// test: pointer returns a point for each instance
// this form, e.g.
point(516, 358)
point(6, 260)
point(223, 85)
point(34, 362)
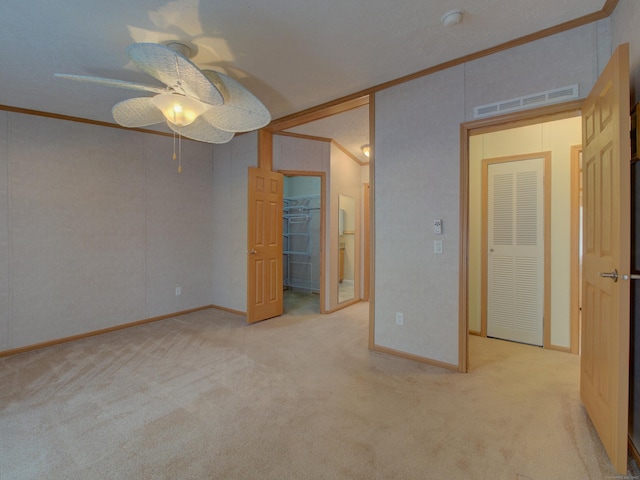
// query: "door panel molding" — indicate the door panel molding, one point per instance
point(264, 245)
point(604, 360)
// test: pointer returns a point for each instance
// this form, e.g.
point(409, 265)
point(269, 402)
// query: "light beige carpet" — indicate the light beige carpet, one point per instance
point(204, 396)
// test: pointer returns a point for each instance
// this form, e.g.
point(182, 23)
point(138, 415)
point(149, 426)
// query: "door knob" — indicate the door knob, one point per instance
point(253, 251)
point(613, 275)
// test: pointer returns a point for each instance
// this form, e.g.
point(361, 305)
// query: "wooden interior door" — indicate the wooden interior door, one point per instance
point(264, 247)
point(604, 362)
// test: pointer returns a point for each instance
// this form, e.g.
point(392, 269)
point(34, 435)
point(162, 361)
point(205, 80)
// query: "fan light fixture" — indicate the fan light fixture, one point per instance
point(179, 109)
point(366, 149)
point(203, 105)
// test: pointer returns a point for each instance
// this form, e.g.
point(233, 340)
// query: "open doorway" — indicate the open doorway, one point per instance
point(302, 232)
point(331, 144)
point(557, 134)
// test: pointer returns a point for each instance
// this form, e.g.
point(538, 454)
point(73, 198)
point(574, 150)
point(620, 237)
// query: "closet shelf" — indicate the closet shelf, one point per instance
point(296, 281)
point(299, 209)
point(301, 199)
point(298, 214)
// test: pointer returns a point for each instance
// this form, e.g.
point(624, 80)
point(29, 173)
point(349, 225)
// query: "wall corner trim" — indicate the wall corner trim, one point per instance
point(58, 341)
point(415, 358)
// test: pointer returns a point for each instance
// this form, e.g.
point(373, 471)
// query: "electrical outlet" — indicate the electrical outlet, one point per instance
point(399, 318)
point(178, 291)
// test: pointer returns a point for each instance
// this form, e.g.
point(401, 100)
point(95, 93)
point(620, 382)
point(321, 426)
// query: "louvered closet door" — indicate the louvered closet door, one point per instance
point(515, 260)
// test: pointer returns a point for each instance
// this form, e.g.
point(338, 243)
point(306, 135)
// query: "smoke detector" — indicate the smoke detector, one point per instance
point(452, 17)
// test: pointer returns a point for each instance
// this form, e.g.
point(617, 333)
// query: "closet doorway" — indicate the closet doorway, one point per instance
point(330, 143)
point(303, 221)
point(557, 134)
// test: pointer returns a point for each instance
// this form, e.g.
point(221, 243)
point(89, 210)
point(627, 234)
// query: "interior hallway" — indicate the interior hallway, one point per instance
point(300, 396)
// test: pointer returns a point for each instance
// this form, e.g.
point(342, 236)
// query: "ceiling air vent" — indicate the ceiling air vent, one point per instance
point(535, 100)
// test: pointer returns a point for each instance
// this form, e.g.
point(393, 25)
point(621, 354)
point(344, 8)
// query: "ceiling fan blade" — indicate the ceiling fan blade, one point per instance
point(202, 131)
point(137, 112)
point(175, 71)
point(112, 82)
point(241, 111)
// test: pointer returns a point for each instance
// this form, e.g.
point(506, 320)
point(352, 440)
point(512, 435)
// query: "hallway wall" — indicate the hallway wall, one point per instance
point(230, 171)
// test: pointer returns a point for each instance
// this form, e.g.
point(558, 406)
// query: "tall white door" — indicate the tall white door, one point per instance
point(515, 257)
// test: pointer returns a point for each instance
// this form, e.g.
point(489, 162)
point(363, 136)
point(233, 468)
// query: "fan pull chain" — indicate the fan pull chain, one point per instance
point(174, 145)
point(179, 145)
point(179, 153)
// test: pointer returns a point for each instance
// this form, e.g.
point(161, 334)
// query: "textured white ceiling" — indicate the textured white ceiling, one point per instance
point(292, 54)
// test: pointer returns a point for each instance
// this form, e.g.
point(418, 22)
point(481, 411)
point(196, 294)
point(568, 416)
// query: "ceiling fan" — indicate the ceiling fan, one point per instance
point(203, 105)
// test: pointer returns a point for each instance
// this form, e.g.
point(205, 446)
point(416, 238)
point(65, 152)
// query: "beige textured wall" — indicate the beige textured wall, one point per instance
point(231, 162)
point(556, 137)
point(98, 228)
point(417, 178)
point(292, 153)
point(564, 59)
point(5, 314)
